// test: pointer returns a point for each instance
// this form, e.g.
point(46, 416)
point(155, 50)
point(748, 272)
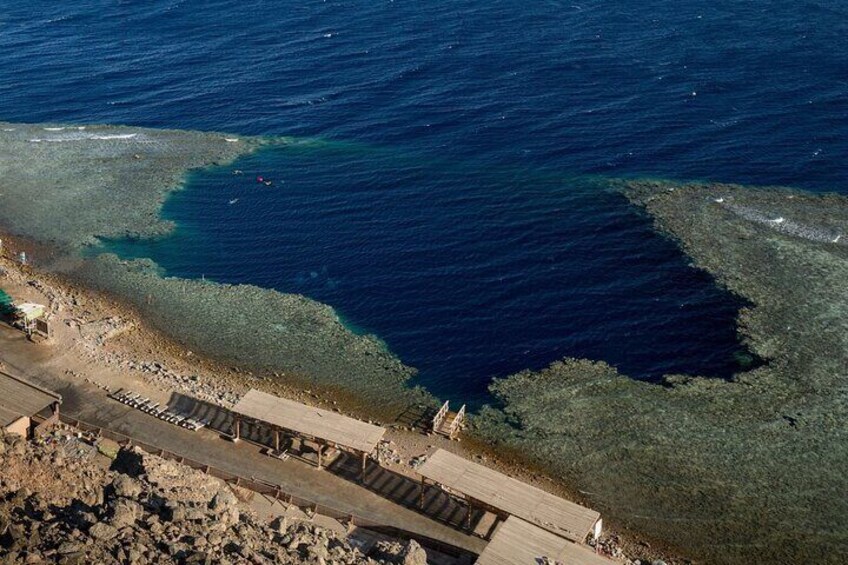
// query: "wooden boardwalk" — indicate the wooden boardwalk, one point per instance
point(486, 487)
point(520, 543)
point(21, 398)
point(309, 421)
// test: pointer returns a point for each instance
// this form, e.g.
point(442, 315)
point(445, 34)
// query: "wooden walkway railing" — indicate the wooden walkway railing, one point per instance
point(440, 416)
point(457, 422)
point(446, 422)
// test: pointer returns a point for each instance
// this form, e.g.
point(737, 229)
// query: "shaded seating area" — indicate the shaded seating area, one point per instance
point(22, 403)
point(517, 542)
point(301, 423)
point(485, 488)
point(165, 413)
point(404, 491)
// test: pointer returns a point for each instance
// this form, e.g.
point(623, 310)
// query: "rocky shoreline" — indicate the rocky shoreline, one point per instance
point(103, 342)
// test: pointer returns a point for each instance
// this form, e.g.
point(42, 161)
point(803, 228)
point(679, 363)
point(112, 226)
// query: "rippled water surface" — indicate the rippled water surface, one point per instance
point(449, 196)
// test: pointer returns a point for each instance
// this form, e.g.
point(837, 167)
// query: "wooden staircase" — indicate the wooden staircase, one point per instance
point(448, 423)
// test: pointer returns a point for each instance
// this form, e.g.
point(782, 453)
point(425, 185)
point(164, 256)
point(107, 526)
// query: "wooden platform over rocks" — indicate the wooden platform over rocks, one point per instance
point(487, 488)
point(517, 542)
point(324, 427)
point(20, 398)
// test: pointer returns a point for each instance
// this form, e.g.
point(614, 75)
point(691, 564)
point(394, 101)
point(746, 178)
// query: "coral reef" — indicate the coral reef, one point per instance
point(261, 329)
point(744, 470)
point(70, 186)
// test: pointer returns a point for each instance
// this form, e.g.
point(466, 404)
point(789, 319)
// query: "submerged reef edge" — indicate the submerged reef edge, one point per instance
point(743, 470)
point(71, 186)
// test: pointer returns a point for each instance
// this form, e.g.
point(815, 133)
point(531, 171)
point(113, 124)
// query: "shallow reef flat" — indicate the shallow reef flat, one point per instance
point(746, 470)
point(71, 186)
point(264, 330)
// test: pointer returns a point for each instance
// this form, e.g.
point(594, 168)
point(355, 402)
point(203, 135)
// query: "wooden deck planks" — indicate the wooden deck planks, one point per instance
point(517, 542)
point(513, 497)
point(329, 426)
point(21, 398)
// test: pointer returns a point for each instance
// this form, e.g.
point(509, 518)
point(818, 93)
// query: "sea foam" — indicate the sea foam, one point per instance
point(78, 136)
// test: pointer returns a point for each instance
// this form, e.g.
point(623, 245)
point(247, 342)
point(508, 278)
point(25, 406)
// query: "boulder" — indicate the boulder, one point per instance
point(223, 500)
point(224, 506)
point(125, 513)
point(69, 547)
point(126, 487)
point(102, 531)
point(18, 446)
point(409, 553)
point(174, 511)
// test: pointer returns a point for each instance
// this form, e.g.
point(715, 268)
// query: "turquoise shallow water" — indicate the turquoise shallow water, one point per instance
point(452, 205)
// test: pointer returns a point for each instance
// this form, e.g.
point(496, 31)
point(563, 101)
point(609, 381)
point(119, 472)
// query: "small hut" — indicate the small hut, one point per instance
point(27, 315)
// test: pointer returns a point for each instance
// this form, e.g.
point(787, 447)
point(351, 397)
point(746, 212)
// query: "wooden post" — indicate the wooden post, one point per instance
point(320, 450)
point(236, 429)
point(468, 515)
point(277, 440)
point(364, 462)
point(421, 493)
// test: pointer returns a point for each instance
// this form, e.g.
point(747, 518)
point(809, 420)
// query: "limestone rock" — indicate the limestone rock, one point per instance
point(126, 487)
point(102, 531)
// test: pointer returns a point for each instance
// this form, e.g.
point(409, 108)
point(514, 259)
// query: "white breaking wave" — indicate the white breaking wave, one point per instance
point(783, 225)
point(78, 136)
point(116, 136)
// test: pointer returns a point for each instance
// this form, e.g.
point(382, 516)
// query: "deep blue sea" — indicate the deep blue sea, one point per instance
point(446, 190)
